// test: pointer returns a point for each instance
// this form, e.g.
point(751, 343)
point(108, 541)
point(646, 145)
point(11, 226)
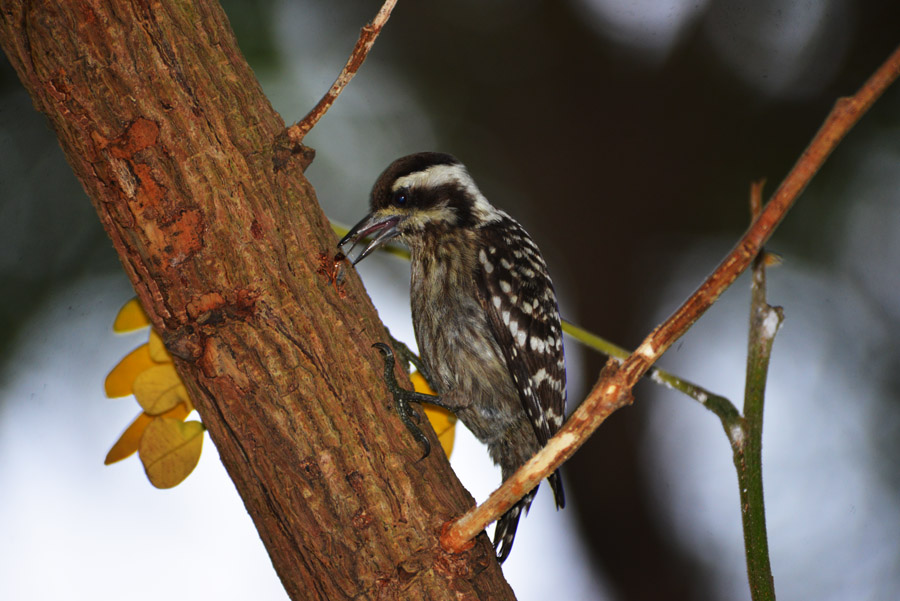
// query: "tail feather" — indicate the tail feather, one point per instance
point(505, 533)
point(556, 484)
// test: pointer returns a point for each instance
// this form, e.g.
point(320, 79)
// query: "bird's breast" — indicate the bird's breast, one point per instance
point(451, 327)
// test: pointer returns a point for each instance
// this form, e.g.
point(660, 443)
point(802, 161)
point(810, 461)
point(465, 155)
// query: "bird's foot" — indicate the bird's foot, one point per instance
point(403, 398)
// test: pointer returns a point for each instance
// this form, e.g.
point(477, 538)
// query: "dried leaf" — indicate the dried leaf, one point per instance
point(170, 450)
point(158, 389)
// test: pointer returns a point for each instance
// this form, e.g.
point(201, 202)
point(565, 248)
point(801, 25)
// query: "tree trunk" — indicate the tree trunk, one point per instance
point(187, 166)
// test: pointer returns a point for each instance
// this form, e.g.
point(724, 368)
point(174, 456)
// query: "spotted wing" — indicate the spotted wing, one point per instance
point(524, 317)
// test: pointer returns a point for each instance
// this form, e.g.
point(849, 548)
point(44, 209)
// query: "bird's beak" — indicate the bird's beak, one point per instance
point(379, 227)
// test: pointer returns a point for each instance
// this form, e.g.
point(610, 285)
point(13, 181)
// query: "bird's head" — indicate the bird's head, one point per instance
point(419, 194)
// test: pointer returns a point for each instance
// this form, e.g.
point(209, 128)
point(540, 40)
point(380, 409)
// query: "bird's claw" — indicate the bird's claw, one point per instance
point(402, 399)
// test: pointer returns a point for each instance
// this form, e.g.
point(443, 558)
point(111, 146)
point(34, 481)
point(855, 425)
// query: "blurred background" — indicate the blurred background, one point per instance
point(624, 135)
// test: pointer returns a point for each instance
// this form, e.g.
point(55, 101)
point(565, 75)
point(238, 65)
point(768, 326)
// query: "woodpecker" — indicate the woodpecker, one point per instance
point(484, 312)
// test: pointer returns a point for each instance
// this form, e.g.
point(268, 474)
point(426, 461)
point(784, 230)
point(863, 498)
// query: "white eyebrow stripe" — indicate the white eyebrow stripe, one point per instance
point(434, 176)
point(441, 175)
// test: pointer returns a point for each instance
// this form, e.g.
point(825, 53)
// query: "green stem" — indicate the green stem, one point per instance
point(719, 405)
point(764, 323)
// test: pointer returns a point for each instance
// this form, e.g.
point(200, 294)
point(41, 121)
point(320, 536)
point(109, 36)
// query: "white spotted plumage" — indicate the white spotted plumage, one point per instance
point(484, 311)
point(523, 301)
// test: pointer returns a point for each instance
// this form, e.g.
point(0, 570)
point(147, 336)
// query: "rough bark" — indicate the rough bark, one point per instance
point(205, 201)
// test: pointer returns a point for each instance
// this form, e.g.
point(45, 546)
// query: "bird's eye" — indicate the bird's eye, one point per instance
point(400, 198)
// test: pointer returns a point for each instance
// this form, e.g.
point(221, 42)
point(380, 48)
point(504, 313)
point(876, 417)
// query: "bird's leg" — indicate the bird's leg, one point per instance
point(410, 357)
point(403, 397)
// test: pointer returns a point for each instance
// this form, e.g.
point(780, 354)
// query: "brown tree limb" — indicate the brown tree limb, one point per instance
point(613, 389)
point(367, 36)
point(167, 129)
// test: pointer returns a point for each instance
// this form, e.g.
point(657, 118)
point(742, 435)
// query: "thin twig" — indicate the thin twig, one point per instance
point(367, 36)
point(613, 388)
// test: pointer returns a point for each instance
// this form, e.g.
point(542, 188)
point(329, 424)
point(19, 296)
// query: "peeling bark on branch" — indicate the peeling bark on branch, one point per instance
point(189, 170)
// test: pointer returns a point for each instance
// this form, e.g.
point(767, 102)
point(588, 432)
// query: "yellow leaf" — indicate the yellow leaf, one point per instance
point(444, 424)
point(131, 317)
point(773, 259)
point(128, 442)
point(170, 450)
point(158, 389)
point(443, 421)
point(419, 383)
point(120, 380)
point(158, 350)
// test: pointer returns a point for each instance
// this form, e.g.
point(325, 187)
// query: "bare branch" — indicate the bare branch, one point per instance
point(718, 404)
point(367, 37)
point(613, 388)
